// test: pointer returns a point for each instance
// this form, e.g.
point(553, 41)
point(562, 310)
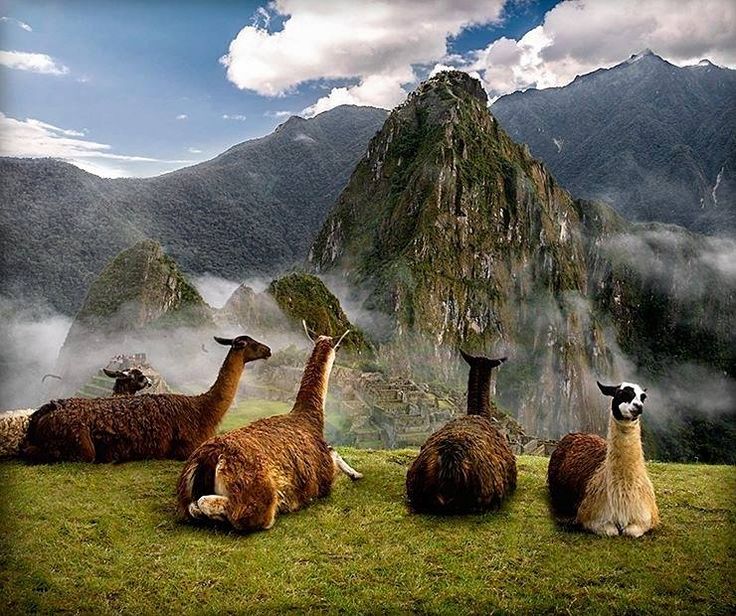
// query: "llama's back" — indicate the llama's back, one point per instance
point(120, 428)
point(465, 466)
point(571, 467)
point(277, 452)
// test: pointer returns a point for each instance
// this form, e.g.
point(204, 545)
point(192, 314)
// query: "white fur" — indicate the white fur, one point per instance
point(619, 498)
point(343, 466)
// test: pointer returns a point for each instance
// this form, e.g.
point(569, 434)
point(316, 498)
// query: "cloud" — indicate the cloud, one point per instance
point(32, 138)
point(33, 62)
point(578, 36)
point(194, 150)
point(235, 116)
point(373, 44)
point(21, 24)
point(277, 114)
point(182, 116)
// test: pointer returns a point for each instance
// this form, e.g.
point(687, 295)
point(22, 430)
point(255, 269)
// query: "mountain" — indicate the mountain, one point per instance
point(252, 210)
point(655, 140)
point(463, 239)
point(466, 240)
point(139, 298)
point(280, 309)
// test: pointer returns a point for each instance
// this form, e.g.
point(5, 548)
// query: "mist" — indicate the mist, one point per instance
point(30, 339)
point(214, 289)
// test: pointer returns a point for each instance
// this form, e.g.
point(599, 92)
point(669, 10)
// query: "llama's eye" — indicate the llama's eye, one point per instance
point(643, 397)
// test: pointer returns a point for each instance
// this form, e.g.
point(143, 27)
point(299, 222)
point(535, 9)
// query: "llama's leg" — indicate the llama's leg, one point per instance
point(605, 529)
point(344, 466)
point(86, 450)
point(634, 530)
point(211, 506)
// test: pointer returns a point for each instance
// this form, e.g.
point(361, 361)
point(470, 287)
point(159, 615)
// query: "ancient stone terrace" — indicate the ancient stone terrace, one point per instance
point(370, 410)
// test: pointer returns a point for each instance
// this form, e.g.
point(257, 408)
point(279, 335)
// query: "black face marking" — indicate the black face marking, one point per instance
point(631, 398)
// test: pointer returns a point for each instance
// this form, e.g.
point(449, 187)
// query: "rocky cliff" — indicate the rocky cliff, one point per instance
point(465, 239)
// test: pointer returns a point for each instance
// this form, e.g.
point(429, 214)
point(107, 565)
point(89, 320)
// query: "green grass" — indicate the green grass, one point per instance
point(100, 539)
point(249, 410)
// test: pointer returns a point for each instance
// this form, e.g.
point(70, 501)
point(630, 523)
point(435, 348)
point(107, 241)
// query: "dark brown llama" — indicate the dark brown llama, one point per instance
point(150, 426)
point(467, 465)
point(274, 465)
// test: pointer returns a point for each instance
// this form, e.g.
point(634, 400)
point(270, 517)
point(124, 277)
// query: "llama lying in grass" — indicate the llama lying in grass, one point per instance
point(14, 424)
point(467, 465)
point(604, 487)
point(150, 426)
point(274, 465)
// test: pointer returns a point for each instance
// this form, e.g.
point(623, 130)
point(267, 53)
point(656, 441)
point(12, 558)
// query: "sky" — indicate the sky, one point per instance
point(139, 88)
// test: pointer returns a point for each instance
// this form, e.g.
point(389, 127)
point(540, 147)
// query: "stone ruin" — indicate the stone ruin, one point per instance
point(371, 410)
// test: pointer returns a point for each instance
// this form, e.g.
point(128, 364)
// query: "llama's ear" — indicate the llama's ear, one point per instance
point(306, 331)
point(468, 358)
point(497, 362)
point(223, 341)
point(337, 344)
point(607, 390)
point(113, 374)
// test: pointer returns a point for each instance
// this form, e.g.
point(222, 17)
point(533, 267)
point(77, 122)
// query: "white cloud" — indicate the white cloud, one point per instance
point(194, 150)
point(33, 62)
point(182, 116)
point(235, 116)
point(21, 24)
point(277, 114)
point(578, 36)
point(374, 44)
point(32, 138)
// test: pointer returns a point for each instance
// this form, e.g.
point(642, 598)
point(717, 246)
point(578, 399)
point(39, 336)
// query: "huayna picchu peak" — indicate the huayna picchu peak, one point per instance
point(461, 236)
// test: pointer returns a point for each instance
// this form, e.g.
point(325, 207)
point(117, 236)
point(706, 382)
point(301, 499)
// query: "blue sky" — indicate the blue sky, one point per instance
point(144, 79)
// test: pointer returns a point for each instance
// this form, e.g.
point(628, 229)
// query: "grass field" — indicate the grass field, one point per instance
point(100, 539)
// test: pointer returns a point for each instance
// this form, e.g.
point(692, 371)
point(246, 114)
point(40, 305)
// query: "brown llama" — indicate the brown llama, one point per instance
point(603, 486)
point(274, 465)
point(149, 426)
point(467, 465)
point(14, 424)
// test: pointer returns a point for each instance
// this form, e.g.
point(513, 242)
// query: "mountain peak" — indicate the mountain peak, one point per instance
point(644, 54)
point(457, 83)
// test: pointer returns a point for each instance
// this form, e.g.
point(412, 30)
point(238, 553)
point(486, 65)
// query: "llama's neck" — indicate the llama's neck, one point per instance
point(220, 396)
point(479, 391)
point(119, 390)
point(310, 401)
point(624, 454)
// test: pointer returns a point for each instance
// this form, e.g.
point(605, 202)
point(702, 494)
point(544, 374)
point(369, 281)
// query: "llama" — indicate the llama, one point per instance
point(127, 382)
point(14, 424)
point(274, 465)
point(467, 465)
point(148, 426)
point(603, 486)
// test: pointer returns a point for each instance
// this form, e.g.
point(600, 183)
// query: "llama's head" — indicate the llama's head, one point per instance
point(251, 349)
point(128, 381)
point(326, 342)
point(481, 361)
point(628, 400)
